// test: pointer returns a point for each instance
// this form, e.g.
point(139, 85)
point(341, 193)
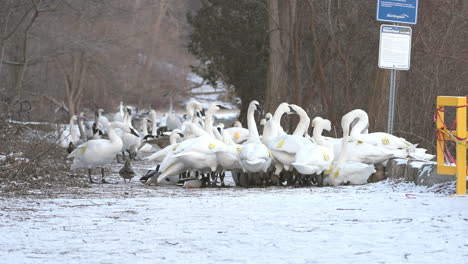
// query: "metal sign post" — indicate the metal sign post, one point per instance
point(395, 42)
point(394, 54)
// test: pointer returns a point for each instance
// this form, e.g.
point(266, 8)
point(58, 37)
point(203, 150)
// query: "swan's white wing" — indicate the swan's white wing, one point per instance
point(385, 140)
point(288, 143)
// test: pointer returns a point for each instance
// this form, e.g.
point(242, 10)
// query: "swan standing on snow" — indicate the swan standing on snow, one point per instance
point(254, 155)
point(342, 171)
point(99, 152)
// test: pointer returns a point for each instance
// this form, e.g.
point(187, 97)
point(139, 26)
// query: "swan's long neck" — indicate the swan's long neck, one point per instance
point(171, 106)
point(251, 125)
point(153, 123)
point(363, 122)
point(174, 136)
point(269, 130)
point(127, 119)
point(217, 135)
point(317, 134)
point(209, 120)
point(81, 128)
point(279, 112)
point(303, 124)
point(145, 127)
point(190, 112)
point(344, 145)
point(72, 129)
point(121, 109)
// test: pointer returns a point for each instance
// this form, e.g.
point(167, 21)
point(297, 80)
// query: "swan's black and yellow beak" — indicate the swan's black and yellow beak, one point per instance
point(222, 107)
point(292, 111)
point(180, 134)
point(134, 132)
point(259, 108)
point(149, 137)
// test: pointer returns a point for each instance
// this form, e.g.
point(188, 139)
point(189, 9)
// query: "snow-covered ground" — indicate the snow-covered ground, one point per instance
point(116, 223)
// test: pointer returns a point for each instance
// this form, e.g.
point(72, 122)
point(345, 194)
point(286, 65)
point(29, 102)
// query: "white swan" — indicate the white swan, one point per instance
point(71, 134)
point(131, 142)
point(343, 171)
point(284, 147)
point(380, 139)
point(195, 153)
point(146, 147)
point(254, 155)
point(315, 158)
point(99, 152)
point(103, 122)
point(154, 125)
point(228, 154)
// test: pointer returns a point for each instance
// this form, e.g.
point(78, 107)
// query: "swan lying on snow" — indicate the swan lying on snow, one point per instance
point(99, 152)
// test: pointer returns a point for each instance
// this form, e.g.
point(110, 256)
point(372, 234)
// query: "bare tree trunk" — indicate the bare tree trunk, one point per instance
point(19, 82)
point(279, 20)
point(378, 101)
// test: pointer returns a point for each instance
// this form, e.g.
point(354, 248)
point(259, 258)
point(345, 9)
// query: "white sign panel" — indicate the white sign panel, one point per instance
point(395, 47)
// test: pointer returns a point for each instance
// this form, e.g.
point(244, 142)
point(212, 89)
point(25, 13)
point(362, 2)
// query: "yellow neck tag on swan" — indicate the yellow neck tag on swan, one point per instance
point(325, 155)
point(271, 155)
point(280, 143)
point(337, 172)
point(83, 149)
point(175, 146)
point(236, 135)
point(238, 149)
point(385, 141)
point(211, 146)
point(327, 172)
point(360, 142)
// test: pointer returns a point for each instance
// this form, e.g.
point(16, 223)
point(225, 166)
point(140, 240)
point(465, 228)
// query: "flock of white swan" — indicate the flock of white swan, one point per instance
point(199, 150)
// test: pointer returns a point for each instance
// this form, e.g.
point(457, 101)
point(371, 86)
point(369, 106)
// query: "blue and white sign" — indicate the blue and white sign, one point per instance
point(397, 11)
point(395, 47)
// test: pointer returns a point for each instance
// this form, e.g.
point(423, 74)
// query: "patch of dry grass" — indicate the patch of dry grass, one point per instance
point(32, 159)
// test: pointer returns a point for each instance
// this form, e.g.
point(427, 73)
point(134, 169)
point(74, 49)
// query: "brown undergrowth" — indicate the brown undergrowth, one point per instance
point(30, 158)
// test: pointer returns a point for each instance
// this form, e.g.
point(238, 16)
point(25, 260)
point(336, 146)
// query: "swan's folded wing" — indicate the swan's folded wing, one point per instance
point(288, 143)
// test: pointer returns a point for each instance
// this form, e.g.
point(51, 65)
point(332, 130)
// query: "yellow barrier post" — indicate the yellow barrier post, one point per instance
point(461, 148)
point(460, 170)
